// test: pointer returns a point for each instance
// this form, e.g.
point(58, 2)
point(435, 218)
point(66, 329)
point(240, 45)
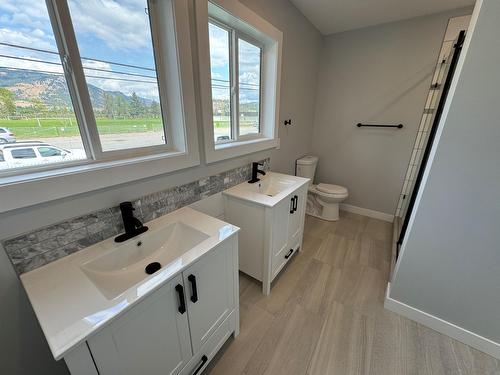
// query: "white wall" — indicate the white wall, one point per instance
point(302, 45)
point(23, 349)
point(379, 74)
point(449, 265)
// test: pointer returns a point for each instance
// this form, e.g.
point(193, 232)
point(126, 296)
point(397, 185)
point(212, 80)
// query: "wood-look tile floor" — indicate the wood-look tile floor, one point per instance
point(325, 315)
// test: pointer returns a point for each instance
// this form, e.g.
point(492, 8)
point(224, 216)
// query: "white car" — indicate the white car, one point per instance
point(6, 136)
point(34, 153)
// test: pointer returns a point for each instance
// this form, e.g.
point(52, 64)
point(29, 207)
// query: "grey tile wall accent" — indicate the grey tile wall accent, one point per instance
point(45, 245)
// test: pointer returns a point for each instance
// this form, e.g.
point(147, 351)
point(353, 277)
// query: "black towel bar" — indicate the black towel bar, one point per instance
point(399, 126)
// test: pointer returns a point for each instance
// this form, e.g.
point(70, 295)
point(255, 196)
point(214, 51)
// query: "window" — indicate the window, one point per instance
point(235, 83)
point(23, 153)
point(116, 49)
point(107, 83)
point(35, 102)
point(249, 60)
point(49, 151)
point(240, 72)
point(221, 82)
point(94, 78)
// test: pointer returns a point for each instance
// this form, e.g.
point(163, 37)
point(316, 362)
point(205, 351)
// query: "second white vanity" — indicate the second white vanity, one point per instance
point(105, 315)
point(271, 216)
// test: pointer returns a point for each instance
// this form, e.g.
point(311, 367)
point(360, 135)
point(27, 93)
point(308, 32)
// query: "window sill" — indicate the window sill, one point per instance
point(230, 150)
point(81, 177)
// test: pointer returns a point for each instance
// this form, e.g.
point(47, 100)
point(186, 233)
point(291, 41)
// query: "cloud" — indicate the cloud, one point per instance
point(219, 47)
point(112, 81)
point(121, 25)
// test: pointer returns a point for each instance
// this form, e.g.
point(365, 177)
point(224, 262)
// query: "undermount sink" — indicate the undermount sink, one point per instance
point(271, 186)
point(123, 266)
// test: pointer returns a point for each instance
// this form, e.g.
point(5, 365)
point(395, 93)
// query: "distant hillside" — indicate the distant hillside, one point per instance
point(50, 89)
point(221, 107)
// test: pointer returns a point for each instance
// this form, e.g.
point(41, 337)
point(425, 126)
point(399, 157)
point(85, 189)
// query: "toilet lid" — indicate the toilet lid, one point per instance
point(332, 189)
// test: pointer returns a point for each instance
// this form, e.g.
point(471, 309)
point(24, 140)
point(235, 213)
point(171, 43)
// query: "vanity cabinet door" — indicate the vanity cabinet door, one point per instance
point(296, 219)
point(152, 338)
point(209, 292)
point(280, 251)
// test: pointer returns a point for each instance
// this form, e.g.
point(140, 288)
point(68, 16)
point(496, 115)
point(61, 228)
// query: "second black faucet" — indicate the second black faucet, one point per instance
point(255, 172)
point(133, 226)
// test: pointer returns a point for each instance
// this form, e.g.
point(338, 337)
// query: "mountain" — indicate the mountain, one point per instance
point(50, 89)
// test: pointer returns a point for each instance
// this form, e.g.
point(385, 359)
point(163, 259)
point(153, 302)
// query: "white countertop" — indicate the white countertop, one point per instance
point(70, 307)
point(248, 192)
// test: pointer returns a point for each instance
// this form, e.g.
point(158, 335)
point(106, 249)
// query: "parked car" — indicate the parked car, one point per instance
point(6, 136)
point(34, 153)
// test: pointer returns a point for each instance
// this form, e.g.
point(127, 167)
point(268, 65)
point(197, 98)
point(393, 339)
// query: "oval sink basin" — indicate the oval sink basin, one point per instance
point(123, 266)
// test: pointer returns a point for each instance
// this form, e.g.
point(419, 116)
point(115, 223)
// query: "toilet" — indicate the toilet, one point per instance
point(322, 199)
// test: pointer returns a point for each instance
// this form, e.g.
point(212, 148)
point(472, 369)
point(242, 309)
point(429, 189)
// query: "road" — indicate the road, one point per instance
point(116, 141)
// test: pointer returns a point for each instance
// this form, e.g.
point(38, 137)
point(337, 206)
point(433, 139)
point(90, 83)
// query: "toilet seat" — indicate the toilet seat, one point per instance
point(342, 195)
point(332, 189)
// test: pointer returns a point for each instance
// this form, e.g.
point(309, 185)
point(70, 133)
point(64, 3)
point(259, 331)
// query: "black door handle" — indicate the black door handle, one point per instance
point(204, 360)
point(292, 205)
point(194, 290)
point(296, 200)
point(182, 302)
point(289, 254)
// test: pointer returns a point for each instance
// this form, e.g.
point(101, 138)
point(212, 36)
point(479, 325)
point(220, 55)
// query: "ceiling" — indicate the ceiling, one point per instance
point(333, 16)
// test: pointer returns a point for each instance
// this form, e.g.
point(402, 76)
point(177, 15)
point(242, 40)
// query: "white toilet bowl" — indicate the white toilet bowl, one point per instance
point(325, 199)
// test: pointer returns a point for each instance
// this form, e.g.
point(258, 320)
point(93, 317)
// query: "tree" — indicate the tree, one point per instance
point(109, 106)
point(154, 109)
point(7, 106)
point(136, 106)
point(39, 107)
point(122, 107)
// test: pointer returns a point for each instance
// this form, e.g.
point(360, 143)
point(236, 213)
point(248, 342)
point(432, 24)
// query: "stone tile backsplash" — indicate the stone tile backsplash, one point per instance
point(42, 246)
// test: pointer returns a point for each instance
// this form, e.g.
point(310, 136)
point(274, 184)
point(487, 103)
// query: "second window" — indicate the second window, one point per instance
point(235, 67)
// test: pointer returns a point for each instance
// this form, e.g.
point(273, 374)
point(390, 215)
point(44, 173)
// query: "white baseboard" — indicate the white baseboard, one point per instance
point(449, 329)
point(367, 212)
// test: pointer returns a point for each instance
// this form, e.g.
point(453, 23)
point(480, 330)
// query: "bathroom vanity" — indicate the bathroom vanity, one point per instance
point(271, 216)
point(103, 314)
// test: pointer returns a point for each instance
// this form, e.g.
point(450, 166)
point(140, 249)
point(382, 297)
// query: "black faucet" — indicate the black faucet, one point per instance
point(255, 171)
point(133, 226)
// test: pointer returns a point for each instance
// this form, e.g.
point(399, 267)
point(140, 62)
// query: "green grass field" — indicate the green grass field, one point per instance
point(47, 128)
point(66, 127)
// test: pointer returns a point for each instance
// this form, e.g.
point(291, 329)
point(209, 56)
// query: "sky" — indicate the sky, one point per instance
point(115, 31)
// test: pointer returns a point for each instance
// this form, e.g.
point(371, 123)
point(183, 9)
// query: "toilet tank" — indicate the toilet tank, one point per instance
point(306, 167)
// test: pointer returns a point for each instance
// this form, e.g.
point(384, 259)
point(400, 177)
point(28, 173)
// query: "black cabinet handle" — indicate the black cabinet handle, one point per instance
point(292, 205)
point(204, 360)
point(296, 200)
point(182, 302)
point(289, 254)
point(194, 290)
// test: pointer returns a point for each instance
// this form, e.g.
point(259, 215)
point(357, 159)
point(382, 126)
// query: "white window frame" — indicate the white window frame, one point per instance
point(235, 35)
point(249, 26)
point(170, 29)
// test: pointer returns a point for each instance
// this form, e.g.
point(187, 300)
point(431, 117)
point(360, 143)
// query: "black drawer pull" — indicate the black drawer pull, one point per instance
point(289, 254)
point(292, 205)
point(296, 200)
point(182, 302)
point(194, 290)
point(204, 360)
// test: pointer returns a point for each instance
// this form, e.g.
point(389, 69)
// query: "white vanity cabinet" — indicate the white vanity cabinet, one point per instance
point(179, 327)
point(271, 226)
point(151, 338)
